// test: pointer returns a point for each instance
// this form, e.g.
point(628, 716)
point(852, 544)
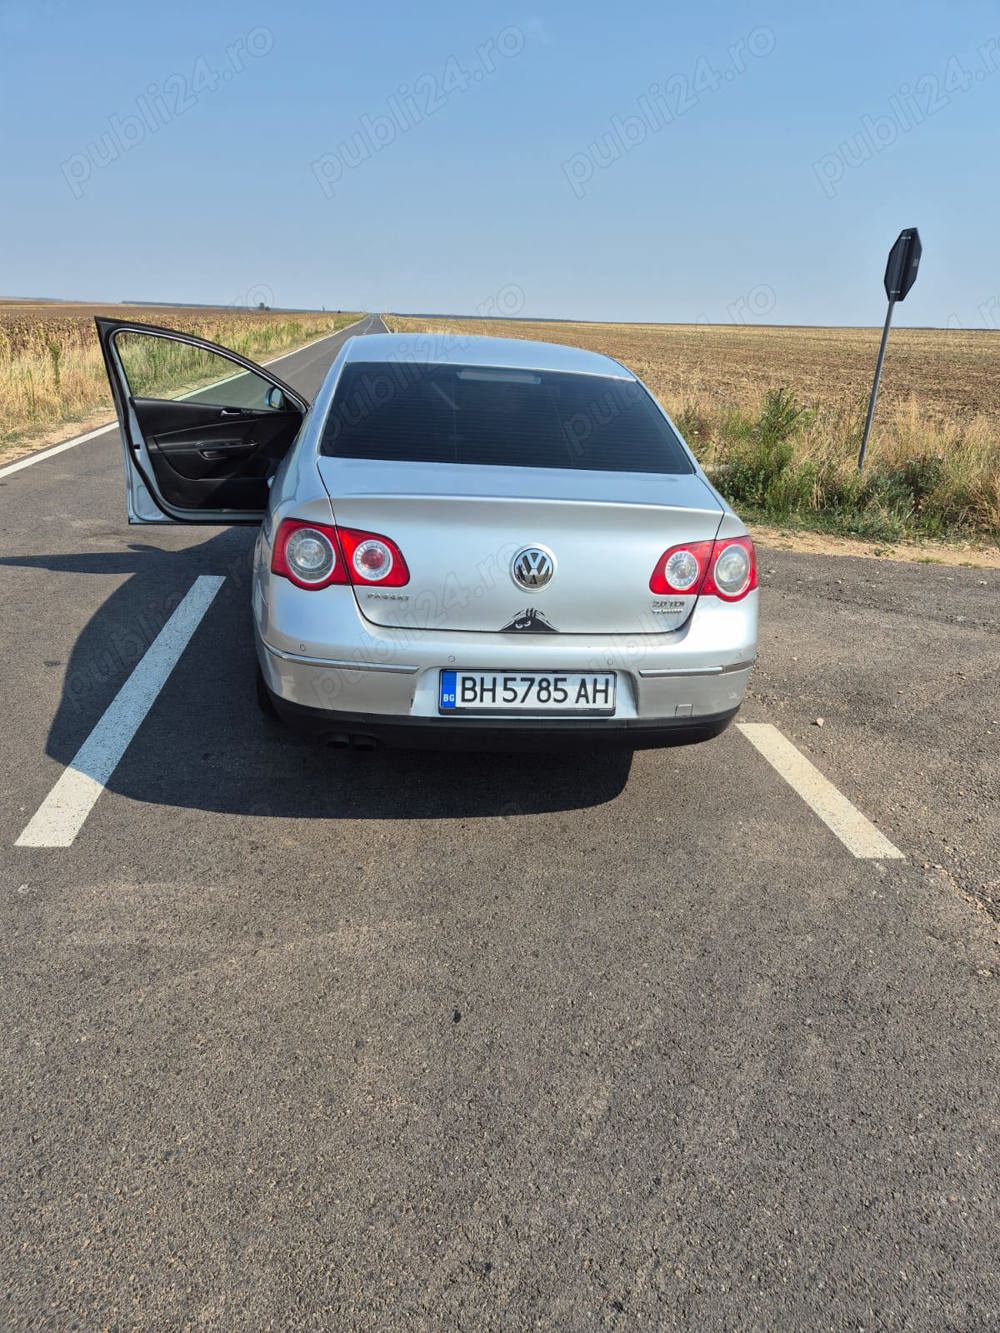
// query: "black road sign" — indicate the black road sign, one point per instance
point(900, 275)
point(904, 260)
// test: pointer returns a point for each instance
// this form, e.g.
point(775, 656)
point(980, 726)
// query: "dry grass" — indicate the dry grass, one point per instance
point(51, 370)
point(934, 460)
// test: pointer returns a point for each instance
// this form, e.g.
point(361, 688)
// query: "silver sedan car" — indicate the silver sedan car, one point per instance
point(464, 541)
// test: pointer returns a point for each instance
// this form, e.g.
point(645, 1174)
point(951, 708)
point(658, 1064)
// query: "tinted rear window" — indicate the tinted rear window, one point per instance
point(401, 412)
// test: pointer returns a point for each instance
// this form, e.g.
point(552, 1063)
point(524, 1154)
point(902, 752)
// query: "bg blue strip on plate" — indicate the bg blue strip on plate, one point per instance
point(448, 689)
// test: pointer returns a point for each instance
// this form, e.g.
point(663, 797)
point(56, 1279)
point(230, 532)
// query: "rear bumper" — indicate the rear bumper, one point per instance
point(368, 730)
point(332, 674)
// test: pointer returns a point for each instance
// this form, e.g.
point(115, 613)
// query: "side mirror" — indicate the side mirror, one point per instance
point(275, 399)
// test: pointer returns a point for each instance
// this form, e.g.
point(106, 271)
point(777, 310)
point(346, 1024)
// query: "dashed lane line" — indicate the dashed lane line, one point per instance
point(858, 834)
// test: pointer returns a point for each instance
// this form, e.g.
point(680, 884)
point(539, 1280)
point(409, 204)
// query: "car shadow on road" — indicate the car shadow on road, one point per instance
point(206, 745)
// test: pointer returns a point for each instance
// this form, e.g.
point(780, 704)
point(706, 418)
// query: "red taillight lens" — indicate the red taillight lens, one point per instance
point(372, 560)
point(733, 571)
point(308, 554)
point(317, 555)
point(725, 569)
point(682, 569)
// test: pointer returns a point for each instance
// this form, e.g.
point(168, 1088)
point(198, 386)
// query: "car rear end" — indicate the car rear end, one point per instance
point(501, 555)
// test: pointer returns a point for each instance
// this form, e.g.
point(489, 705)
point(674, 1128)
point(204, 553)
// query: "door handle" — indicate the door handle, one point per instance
point(233, 411)
point(225, 450)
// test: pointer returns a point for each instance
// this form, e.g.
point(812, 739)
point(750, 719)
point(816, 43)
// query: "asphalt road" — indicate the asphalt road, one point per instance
point(297, 1038)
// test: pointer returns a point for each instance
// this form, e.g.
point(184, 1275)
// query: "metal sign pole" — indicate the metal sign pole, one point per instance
point(900, 275)
point(875, 382)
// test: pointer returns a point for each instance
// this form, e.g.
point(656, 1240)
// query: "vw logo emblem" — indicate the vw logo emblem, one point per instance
point(532, 568)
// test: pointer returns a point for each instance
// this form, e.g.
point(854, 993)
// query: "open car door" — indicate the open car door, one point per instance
point(203, 429)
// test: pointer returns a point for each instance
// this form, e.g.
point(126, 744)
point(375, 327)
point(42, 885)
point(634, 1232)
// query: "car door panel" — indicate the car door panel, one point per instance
point(188, 459)
point(189, 434)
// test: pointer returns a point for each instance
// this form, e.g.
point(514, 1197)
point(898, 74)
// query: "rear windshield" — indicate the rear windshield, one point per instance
point(404, 412)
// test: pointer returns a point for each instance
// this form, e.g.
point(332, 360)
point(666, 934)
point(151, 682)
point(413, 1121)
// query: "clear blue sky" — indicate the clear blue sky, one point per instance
point(239, 150)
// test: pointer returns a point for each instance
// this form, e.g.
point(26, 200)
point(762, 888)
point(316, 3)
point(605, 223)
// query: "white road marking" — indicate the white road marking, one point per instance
point(32, 459)
point(50, 453)
point(858, 834)
point(60, 817)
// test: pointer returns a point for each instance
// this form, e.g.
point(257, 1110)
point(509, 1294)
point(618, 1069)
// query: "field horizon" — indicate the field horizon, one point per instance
point(237, 308)
point(679, 323)
point(162, 305)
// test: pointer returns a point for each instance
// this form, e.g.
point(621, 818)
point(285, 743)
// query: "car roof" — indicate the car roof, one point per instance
point(467, 349)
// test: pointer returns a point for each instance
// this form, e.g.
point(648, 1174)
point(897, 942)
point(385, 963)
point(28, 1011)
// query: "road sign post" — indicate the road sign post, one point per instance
point(900, 275)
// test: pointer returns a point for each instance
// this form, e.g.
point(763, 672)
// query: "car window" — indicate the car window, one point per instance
point(514, 418)
point(160, 367)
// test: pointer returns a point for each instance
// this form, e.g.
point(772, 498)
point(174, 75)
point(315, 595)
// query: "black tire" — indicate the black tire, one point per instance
point(264, 701)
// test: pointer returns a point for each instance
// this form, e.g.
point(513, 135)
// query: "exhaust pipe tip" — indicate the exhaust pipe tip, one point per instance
point(343, 740)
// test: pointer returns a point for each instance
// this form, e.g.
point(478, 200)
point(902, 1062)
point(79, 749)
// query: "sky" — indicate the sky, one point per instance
point(711, 161)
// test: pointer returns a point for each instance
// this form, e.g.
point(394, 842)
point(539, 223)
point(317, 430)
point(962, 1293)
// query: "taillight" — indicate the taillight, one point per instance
point(733, 571)
point(318, 555)
point(373, 560)
point(308, 554)
point(682, 569)
point(726, 568)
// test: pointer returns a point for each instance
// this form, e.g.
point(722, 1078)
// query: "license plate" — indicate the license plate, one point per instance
point(527, 692)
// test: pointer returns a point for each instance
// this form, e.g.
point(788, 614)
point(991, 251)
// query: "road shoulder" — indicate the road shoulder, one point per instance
point(807, 542)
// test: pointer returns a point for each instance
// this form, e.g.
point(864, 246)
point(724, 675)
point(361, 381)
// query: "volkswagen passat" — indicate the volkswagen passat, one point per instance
point(464, 541)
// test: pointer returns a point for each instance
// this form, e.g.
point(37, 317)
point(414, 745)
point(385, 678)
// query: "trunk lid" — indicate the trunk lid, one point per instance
point(460, 527)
